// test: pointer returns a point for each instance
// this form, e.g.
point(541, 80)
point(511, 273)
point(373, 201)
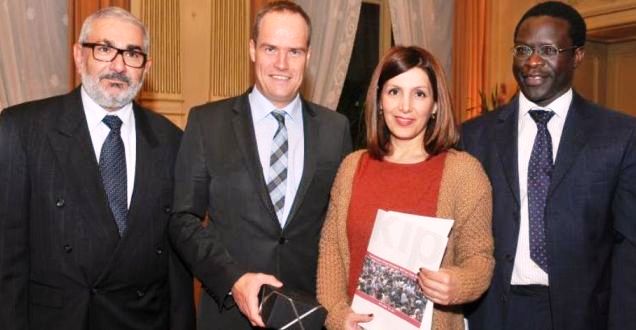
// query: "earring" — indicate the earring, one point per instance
point(434, 116)
point(380, 112)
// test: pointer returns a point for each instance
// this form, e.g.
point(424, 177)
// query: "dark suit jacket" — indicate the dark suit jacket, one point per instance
point(590, 216)
point(62, 263)
point(218, 171)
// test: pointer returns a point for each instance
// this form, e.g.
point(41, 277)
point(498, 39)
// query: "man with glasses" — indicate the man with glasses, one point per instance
point(563, 172)
point(86, 184)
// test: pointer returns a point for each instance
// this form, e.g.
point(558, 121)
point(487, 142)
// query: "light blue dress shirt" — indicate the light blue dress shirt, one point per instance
point(265, 126)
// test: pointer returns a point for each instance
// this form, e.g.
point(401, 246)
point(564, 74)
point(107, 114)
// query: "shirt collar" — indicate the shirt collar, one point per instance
point(262, 107)
point(560, 106)
point(95, 113)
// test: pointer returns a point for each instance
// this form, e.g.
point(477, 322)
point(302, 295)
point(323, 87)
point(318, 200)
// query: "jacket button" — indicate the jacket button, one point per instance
point(282, 240)
point(504, 298)
point(167, 209)
point(509, 258)
point(68, 248)
point(59, 202)
point(159, 251)
point(94, 291)
point(140, 293)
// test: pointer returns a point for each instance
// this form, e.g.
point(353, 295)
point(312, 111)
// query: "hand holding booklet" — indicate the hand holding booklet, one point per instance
point(400, 244)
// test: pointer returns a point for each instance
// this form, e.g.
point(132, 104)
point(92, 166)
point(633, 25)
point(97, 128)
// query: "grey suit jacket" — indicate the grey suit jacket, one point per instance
point(218, 172)
point(590, 216)
point(62, 262)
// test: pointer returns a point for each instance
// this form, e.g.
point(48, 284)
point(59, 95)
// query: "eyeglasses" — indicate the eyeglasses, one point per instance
point(523, 52)
point(106, 53)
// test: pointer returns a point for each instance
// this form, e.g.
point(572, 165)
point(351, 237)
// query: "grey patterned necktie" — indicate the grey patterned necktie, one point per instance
point(112, 166)
point(277, 182)
point(539, 175)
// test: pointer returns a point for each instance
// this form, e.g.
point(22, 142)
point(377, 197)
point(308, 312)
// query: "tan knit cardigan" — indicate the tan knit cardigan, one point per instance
point(464, 196)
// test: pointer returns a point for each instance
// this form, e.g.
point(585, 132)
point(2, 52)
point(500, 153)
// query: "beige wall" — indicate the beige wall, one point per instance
point(591, 72)
point(621, 77)
point(607, 71)
point(505, 15)
point(200, 53)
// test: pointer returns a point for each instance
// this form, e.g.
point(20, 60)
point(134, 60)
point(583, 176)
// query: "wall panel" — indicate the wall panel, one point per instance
point(162, 89)
point(229, 56)
point(621, 77)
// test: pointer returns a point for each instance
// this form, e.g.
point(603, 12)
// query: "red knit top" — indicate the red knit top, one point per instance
point(408, 188)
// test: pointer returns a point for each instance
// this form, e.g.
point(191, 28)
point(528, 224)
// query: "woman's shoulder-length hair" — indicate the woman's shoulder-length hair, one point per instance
point(441, 132)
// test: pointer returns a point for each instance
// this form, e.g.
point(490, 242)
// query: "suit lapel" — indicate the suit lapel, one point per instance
point(73, 149)
point(506, 142)
point(578, 125)
point(145, 174)
point(312, 131)
point(246, 139)
point(71, 142)
point(244, 132)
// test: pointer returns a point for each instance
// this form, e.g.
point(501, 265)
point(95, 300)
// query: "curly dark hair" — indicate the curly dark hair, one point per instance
point(557, 9)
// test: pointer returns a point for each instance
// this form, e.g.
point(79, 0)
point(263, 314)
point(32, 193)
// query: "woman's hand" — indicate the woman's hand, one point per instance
point(439, 287)
point(352, 319)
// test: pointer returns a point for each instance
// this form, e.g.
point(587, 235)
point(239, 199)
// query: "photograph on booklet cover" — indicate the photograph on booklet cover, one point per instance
point(400, 244)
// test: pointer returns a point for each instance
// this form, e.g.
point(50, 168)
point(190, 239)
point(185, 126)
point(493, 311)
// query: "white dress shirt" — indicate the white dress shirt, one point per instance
point(99, 131)
point(265, 126)
point(525, 270)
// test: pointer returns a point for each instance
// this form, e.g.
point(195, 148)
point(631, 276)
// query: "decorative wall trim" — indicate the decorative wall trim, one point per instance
point(162, 89)
point(162, 19)
point(229, 42)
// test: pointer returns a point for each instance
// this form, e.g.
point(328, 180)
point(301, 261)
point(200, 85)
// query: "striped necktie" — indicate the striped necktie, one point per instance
point(277, 183)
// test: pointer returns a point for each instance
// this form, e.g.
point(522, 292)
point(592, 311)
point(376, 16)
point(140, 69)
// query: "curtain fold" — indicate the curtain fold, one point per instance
point(425, 23)
point(334, 25)
point(469, 57)
point(33, 55)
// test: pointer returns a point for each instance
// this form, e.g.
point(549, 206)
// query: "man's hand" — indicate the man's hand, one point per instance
point(439, 287)
point(245, 294)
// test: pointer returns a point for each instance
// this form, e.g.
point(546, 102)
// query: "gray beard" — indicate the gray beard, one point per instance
point(91, 85)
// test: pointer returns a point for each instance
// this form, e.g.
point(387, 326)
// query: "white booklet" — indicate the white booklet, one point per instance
point(387, 287)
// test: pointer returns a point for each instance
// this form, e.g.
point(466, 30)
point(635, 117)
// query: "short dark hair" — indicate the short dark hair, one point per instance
point(278, 7)
point(557, 9)
point(441, 133)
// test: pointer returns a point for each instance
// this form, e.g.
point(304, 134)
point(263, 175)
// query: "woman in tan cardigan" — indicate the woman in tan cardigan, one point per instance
point(410, 167)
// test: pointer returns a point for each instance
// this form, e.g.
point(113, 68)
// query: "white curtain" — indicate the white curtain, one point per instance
point(334, 25)
point(425, 23)
point(34, 53)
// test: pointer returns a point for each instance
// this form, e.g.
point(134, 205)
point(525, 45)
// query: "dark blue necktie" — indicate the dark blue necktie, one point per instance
point(112, 166)
point(539, 174)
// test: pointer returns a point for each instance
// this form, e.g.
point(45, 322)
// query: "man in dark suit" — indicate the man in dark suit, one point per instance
point(261, 165)
point(563, 172)
point(86, 184)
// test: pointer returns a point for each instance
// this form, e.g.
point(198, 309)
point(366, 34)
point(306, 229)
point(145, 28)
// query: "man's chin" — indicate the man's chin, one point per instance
point(110, 94)
point(535, 93)
point(113, 100)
